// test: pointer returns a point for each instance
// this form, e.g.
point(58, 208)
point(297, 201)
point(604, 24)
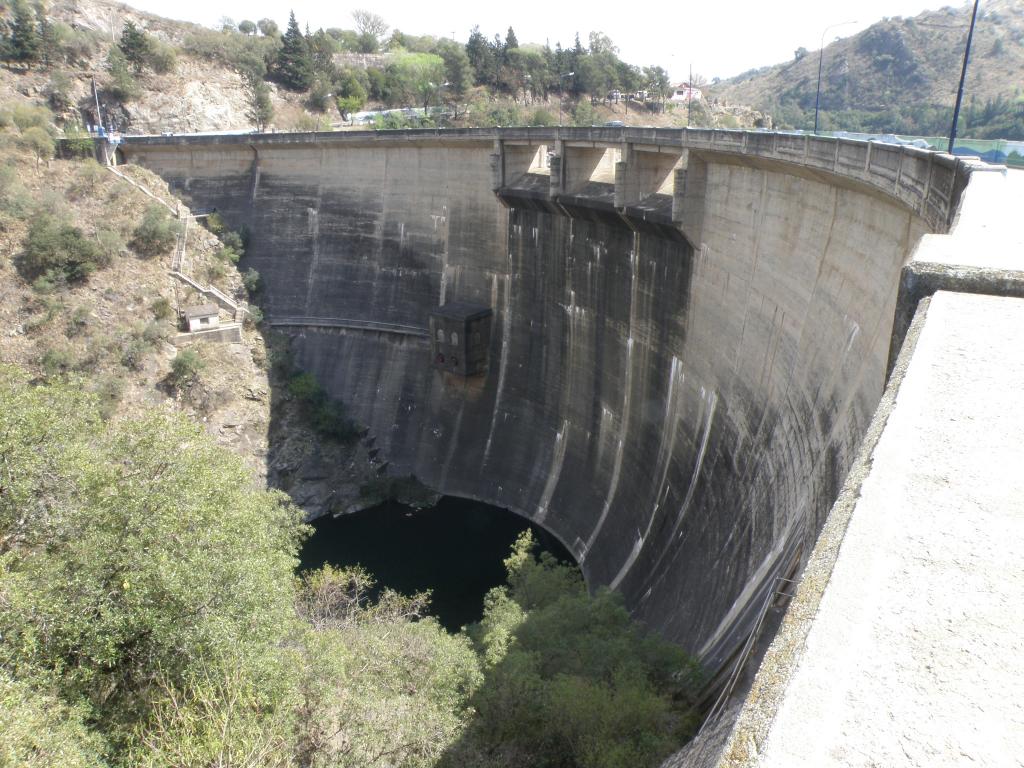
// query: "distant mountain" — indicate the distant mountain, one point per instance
point(900, 76)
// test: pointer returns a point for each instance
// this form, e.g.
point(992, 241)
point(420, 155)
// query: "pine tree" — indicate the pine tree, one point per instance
point(135, 45)
point(24, 37)
point(258, 106)
point(510, 39)
point(294, 62)
point(48, 42)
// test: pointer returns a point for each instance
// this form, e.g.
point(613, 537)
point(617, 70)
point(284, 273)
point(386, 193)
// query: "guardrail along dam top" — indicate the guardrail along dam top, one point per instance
point(690, 329)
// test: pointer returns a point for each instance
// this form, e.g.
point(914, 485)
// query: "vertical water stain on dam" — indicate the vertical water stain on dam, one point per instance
point(677, 403)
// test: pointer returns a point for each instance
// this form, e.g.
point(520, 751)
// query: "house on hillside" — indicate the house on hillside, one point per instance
point(685, 92)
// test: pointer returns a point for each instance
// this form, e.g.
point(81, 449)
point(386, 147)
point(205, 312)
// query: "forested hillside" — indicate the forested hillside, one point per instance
point(156, 75)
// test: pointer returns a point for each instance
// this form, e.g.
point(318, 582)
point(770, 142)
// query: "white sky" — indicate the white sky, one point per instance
point(719, 38)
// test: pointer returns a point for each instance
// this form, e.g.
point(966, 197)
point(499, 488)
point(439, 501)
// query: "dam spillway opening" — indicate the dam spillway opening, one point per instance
point(690, 329)
point(454, 549)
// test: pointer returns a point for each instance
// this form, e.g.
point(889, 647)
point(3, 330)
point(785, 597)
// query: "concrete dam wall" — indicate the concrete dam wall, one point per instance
point(690, 332)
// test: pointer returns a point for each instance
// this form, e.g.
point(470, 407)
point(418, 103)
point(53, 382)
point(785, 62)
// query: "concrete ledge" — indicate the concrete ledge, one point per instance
point(921, 279)
point(227, 333)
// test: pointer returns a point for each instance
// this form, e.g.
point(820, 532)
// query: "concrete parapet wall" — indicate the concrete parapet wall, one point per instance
point(679, 412)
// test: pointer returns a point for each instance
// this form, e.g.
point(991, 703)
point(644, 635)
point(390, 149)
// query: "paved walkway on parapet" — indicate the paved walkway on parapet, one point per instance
point(916, 652)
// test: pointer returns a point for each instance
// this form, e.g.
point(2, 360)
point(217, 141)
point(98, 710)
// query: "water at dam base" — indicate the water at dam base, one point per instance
point(454, 549)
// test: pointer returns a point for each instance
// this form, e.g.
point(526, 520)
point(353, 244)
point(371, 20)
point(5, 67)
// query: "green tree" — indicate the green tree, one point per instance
point(268, 27)
point(404, 680)
point(569, 679)
point(657, 82)
point(150, 560)
point(39, 142)
point(246, 27)
point(350, 93)
point(136, 46)
point(37, 730)
point(294, 64)
point(25, 43)
point(481, 58)
point(416, 78)
point(49, 38)
point(511, 41)
point(123, 84)
point(458, 71)
point(258, 106)
point(57, 250)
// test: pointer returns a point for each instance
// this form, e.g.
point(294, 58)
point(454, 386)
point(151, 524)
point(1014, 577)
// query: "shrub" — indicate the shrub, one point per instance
point(163, 58)
point(58, 91)
point(584, 114)
point(161, 308)
point(253, 315)
point(87, 177)
point(216, 271)
point(151, 562)
point(59, 252)
point(37, 730)
point(156, 233)
point(121, 82)
point(570, 679)
point(325, 415)
point(109, 391)
point(133, 353)
point(185, 368)
point(227, 254)
point(26, 116)
point(78, 320)
point(234, 240)
point(215, 223)
point(252, 281)
point(111, 243)
point(319, 96)
point(57, 360)
point(37, 141)
point(153, 332)
point(542, 117)
point(15, 200)
point(50, 309)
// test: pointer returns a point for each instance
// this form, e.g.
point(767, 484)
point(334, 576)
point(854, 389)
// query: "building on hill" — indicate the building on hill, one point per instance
point(685, 92)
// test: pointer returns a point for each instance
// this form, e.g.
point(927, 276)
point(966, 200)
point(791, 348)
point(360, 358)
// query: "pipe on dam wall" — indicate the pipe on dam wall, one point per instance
point(679, 411)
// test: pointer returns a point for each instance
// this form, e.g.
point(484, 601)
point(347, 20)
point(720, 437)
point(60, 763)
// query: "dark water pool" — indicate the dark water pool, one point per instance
point(455, 549)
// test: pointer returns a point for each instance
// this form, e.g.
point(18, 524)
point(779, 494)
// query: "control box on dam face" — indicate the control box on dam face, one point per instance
point(460, 334)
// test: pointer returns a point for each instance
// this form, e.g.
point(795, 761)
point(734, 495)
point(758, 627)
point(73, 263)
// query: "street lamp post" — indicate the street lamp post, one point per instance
point(963, 77)
point(821, 56)
point(561, 78)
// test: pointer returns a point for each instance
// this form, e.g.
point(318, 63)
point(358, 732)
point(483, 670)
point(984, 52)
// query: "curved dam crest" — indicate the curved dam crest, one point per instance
point(690, 332)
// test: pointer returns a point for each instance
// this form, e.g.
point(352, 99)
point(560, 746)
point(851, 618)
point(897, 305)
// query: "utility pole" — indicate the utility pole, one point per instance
point(821, 56)
point(689, 97)
point(561, 94)
point(963, 77)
